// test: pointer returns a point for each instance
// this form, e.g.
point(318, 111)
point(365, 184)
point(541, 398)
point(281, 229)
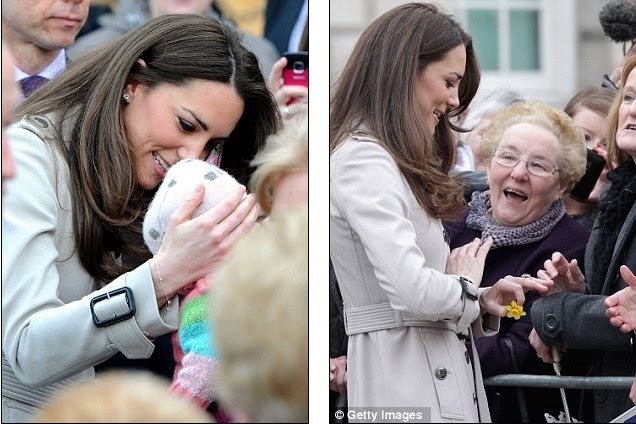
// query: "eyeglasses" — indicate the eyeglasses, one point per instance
point(538, 167)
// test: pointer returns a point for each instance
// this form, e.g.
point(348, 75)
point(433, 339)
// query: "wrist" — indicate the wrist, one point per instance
point(163, 297)
point(469, 289)
point(482, 301)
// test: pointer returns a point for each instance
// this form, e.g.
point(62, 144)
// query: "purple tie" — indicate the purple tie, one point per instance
point(32, 83)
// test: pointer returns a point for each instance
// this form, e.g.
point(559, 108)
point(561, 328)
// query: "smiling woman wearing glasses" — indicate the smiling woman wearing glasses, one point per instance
point(535, 154)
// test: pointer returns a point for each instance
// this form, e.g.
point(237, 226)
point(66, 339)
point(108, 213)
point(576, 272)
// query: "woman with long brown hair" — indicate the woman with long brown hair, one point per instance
point(90, 146)
point(391, 151)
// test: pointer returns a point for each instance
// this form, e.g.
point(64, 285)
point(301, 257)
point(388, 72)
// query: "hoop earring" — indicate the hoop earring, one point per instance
point(126, 97)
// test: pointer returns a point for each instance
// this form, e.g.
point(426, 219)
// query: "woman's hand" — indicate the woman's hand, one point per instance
point(285, 93)
point(468, 260)
point(338, 374)
point(567, 276)
point(495, 299)
point(191, 248)
point(621, 306)
point(543, 350)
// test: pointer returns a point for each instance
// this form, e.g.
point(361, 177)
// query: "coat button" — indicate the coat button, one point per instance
point(467, 357)
point(551, 322)
point(441, 373)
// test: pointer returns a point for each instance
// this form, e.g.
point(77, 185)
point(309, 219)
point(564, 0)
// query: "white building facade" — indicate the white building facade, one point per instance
point(546, 49)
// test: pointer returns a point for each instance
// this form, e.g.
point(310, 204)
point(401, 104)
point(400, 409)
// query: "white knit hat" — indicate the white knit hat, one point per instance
point(177, 186)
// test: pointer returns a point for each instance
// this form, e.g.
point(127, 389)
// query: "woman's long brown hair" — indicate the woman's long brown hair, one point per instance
point(376, 89)
point(88, 96)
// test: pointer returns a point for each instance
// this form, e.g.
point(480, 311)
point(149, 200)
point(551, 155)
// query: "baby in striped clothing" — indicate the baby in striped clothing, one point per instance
point(195, 355)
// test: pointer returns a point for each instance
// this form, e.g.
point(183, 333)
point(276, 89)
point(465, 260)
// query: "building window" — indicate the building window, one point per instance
point(528, 45)
point(524, 40)
point(506, 33)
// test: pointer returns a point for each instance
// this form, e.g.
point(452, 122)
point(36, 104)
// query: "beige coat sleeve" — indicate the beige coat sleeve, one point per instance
point(47, 328)
point(367, 189)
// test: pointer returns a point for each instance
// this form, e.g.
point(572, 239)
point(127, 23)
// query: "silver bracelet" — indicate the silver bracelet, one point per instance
point(168, 302)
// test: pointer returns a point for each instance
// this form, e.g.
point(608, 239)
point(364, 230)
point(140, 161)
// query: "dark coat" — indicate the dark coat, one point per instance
point(578, 320)
point(337, 336)
point(280, 18)
point(567, 237)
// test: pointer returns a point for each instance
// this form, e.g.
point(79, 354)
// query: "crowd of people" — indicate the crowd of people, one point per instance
point(154, 200)
point(461, 247)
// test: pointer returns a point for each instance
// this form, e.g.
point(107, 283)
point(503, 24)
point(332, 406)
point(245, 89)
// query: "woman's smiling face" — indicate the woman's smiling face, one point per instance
point(437, 87)
point(517, 196)
point(168, 123)
point(626, 132)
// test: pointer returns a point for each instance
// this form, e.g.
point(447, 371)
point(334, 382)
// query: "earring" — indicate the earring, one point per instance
point(126, 97)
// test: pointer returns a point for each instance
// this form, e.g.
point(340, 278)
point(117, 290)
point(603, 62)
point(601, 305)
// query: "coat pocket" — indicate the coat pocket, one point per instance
point(448, 379)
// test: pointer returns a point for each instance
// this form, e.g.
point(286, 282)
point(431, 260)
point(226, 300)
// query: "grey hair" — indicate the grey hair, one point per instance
point(492, 103)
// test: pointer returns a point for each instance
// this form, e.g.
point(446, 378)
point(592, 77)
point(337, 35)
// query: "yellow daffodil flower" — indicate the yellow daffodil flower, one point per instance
point(515, 310)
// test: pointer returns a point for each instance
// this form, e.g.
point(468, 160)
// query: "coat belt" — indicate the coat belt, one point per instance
point(363, 319)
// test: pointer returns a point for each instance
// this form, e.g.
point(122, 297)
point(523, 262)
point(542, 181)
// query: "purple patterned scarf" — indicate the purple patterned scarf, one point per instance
point(479, 218)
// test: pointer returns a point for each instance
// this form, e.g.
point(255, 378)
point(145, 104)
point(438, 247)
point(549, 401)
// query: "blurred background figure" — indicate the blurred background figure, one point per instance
point(282, 29)
point(618, 20)
point(589, 108)
point(121, 397)
point(260, 316)
point(281, 178)
point(129, 14)
point(286, 24)
point(38, 32)
point(10, 98)
point(479, 118)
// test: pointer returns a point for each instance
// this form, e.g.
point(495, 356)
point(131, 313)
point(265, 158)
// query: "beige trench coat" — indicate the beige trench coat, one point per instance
point(49, 340)
point(389, 256)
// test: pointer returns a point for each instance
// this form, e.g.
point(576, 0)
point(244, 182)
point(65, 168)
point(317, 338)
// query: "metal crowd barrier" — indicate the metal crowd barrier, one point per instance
point(554, 381)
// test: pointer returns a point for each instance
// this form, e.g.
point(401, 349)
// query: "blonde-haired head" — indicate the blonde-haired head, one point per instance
point(285, 152)
point(121, 397)
point(572, 155)
point(260, 312)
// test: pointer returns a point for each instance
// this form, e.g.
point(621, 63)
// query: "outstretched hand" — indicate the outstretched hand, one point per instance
point(567, 276)
point(495, 299)
point(621, 306)
point(338, 374)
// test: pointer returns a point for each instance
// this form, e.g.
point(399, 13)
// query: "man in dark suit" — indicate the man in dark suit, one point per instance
point(284, 23)
point(37, 33)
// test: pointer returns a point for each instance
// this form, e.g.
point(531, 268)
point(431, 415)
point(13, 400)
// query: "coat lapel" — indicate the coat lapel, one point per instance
point(619, 250)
